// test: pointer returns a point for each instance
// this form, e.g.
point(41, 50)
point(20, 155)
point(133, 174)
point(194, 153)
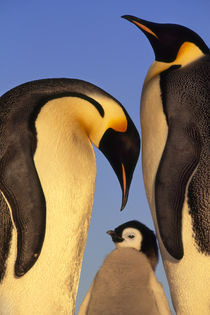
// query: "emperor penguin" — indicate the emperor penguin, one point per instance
point(47, 182)
point(174, 123)
point(126, 282)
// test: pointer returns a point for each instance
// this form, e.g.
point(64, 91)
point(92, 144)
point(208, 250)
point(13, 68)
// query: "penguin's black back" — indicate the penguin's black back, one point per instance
point(185, 98)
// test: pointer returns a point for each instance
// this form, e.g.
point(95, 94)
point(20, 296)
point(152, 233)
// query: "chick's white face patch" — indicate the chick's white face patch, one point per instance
point(132, 238)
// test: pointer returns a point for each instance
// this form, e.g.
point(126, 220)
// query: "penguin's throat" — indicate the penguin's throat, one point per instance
point(65, 163)
point(187, 54)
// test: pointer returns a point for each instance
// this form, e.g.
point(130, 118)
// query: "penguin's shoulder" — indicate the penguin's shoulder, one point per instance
point(193, 76)
point(184, 88)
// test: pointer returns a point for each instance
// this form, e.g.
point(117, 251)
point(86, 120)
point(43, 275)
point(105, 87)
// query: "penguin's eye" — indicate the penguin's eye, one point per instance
point(131, 236)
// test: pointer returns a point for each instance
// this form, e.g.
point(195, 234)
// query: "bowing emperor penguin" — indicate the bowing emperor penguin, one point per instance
point(47, 182)
point(126, 282)
point(174, 123)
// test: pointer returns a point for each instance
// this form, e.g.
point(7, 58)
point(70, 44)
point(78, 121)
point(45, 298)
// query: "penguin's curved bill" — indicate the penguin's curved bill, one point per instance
point(115, 237)
point(122, 151)
point(142, 24)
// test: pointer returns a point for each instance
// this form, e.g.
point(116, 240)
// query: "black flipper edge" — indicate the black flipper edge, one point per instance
point(179, 160)
point(20, 184)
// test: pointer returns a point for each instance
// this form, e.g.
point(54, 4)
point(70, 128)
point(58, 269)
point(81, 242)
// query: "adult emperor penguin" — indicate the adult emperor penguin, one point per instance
point(174, 123)
point(126, 282)
point(47, 180)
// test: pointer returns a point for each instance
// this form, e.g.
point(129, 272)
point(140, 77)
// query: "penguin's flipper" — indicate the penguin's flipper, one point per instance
point(178, 162)
point(21, 188)
point(5, 234)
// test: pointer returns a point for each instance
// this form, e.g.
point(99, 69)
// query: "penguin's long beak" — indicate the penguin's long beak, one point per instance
point(115, 237)
point(156, 35)
point(145, 26)
point(122, 151)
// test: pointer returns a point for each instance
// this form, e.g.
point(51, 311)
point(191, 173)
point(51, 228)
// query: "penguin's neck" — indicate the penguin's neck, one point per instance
point(187, 53)
point(65, 163)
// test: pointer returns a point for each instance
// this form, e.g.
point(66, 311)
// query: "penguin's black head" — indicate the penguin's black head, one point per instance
point(166, 39)
point(139, 236)
point(122, 151)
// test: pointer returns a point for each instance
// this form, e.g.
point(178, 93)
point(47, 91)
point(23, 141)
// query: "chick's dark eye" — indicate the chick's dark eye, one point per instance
point(131, 236)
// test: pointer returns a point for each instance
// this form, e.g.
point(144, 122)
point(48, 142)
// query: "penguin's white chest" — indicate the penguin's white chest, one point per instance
point(154, 133)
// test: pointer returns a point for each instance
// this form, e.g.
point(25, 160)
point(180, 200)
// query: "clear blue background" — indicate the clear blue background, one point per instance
point(89, 40)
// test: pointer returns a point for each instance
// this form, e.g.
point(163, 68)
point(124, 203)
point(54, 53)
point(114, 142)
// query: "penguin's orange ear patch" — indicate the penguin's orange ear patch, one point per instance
point(118, 125)
point(188, 52)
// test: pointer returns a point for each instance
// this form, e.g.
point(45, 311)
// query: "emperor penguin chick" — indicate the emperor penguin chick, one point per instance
point(126, 282)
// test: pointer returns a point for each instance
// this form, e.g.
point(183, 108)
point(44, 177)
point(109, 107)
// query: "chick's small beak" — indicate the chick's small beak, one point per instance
point(110, 232)
point(115, 237)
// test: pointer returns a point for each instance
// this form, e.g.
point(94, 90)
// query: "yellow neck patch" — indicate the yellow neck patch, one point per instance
point(118, 124)
point(187, 53)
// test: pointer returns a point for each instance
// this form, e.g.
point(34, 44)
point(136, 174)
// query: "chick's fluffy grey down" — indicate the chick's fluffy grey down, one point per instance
point(125, 285)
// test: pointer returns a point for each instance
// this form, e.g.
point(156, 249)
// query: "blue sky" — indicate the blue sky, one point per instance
point(89, 40)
